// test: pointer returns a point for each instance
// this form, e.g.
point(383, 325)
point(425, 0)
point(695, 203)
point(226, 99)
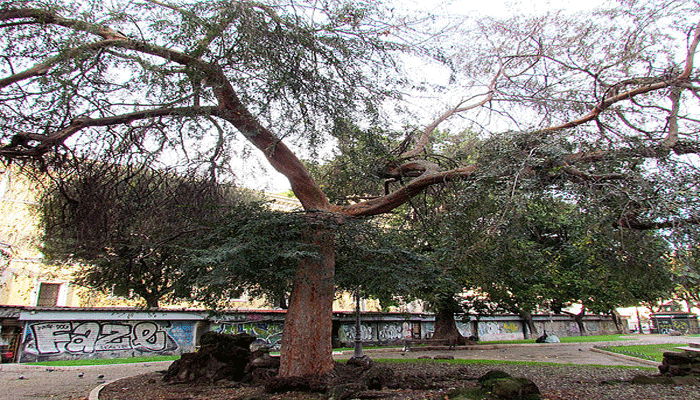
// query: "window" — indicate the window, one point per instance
point(48, 294)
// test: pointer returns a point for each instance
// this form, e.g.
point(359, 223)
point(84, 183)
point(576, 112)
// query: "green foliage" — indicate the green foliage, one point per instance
point(258, 251)
point(129, 226)
point(356, 166)
point(297, 68)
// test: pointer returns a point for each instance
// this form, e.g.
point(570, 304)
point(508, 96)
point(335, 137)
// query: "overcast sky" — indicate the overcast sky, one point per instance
point(502, 7)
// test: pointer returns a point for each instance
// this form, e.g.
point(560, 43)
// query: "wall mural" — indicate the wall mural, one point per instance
point(92, 339)
point(269, 334)
point(386, 332)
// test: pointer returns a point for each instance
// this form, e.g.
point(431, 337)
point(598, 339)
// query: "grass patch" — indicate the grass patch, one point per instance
point(653, 352)
point(500, 362)
point(570, 339)
point(103, 361)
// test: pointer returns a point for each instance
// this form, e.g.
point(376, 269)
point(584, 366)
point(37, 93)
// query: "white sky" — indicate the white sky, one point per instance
point(500, 8)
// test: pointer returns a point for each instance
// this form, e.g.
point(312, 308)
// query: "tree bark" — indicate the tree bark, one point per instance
point(446, 327)
point(528, 324)
point(616, 319)
point(308, 326)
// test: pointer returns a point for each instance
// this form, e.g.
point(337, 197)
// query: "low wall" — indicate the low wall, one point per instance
point(390, 330)
point(83, 334)
point(78, 333)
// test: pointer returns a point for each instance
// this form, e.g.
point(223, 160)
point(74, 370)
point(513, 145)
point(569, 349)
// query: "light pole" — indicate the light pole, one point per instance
point(358, 326)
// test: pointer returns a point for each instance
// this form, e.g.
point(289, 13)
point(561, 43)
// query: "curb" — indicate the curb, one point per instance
point(95, 393)
point(624, 357)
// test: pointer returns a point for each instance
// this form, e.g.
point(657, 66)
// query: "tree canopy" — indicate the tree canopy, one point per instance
point(596, 99)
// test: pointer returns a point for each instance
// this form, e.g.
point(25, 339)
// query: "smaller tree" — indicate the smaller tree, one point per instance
point(129, 226)
point(685, 265)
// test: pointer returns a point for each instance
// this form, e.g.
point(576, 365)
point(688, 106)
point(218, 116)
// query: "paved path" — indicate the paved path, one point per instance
point(22, 382)
point(64, 382)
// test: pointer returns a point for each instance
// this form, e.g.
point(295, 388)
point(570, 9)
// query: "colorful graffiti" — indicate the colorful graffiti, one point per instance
point(499, 331)
point(86, 338)
point(267, 333)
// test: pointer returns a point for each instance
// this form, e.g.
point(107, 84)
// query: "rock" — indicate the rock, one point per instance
point(493, 374)
point(552, 339)
point(674, 332)
point(443, 357)
point(514, 389)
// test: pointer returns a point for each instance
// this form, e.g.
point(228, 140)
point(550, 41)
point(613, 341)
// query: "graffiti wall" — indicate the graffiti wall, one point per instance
point(500, 330)
point(60, 340)
point(394, 332)
point(267, 333)
point(564, 327)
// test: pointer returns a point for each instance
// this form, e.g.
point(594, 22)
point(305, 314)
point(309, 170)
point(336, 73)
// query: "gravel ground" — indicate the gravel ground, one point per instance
point(430, 380)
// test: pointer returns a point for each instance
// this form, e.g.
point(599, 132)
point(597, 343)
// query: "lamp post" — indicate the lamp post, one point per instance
point(358, 326)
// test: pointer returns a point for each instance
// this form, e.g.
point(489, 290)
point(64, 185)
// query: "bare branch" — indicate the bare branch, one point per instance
point(660, 83)
point(404, 194)
point(459, 108)
point(44, 67)
point(22, 145)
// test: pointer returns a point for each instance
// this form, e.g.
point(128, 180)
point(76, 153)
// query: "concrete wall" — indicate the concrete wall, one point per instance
point(73, 333)
point(62, 333)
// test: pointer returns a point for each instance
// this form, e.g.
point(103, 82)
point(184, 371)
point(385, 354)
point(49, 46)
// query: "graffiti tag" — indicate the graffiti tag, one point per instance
point(90, 337)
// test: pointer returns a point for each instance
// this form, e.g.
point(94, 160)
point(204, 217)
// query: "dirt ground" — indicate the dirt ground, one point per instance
point(64, 382)
point(435, 379)
point(428, 380)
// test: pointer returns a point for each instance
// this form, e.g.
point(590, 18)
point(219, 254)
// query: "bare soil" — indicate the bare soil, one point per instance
point(427, 379)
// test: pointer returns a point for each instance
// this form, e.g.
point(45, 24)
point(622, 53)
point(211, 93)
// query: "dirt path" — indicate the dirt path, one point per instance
point(66, 383)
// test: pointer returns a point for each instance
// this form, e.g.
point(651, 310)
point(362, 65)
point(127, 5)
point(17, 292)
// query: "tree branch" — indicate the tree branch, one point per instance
point(459, 108)
point(21, 144)
point(402, 195)
point(44, 67)
point(660, 83)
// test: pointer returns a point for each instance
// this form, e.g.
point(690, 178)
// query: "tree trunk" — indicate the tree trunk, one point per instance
point(616, 319)
point(446, 327)
point(579, 321)
point(528, 324)
point(578, 318)
point(308, 325)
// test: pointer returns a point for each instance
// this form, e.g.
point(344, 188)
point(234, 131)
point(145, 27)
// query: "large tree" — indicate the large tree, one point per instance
point(192, 81)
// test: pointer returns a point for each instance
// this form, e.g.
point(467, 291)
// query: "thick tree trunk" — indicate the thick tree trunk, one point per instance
point(306, 342)
point(528, 324)
point(446, 327)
